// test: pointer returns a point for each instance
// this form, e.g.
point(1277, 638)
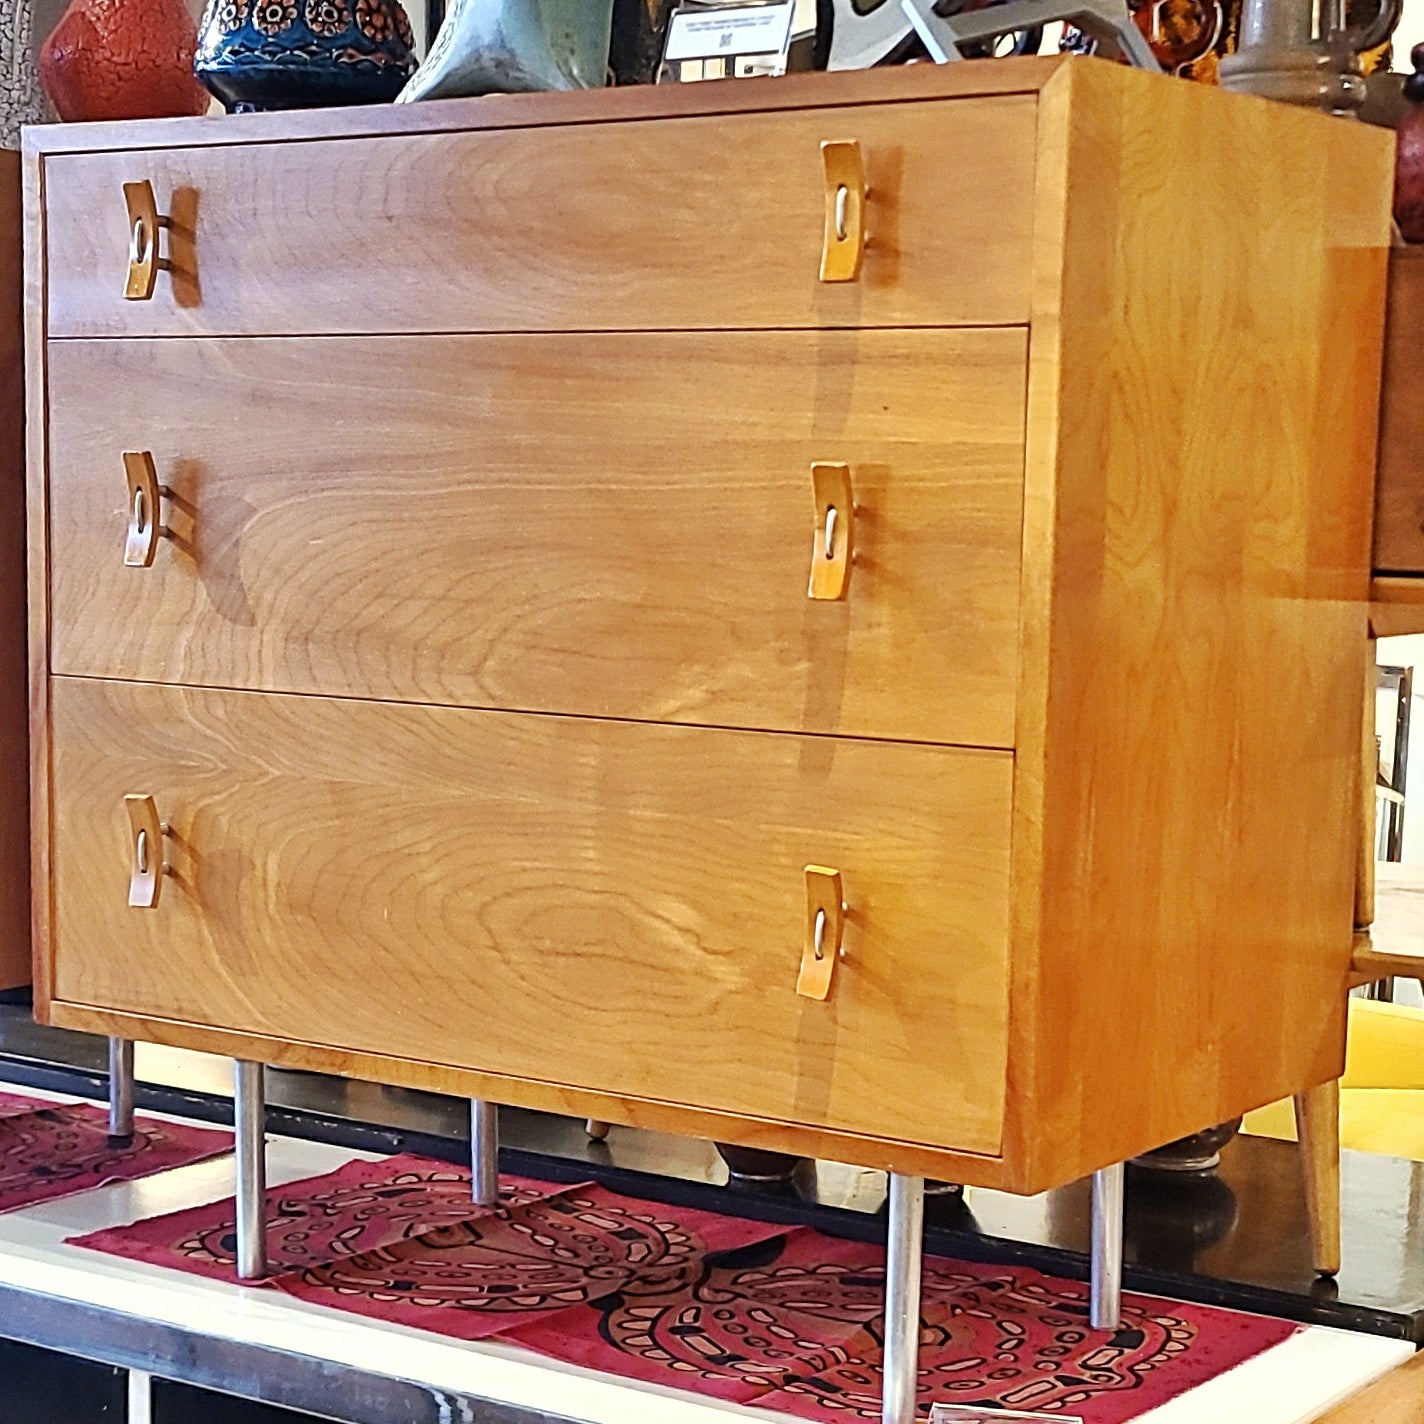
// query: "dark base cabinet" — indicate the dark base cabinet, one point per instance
point(44, 1387)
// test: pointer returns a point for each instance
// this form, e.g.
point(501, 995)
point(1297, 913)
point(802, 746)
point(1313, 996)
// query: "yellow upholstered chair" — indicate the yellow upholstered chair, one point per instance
point(1382, 1091)
point(1390, 901)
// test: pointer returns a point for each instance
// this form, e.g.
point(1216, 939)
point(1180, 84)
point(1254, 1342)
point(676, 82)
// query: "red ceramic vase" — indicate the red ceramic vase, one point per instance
point(123, 59)
point(1409, 155)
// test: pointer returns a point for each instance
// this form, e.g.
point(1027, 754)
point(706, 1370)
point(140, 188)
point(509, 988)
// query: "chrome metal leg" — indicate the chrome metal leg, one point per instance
point(250, 1119)
point(1105, 1307)
point(903, 1258)
point(121, 1087)
point(140, 1398)
point(484, 1152)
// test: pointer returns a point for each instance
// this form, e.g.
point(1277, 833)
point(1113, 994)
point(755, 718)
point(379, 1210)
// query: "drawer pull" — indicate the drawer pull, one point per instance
point(148, 868)
point(145, 510)
point(844, 243)
point(832, 548)
point(144, 223)
point(825, 924)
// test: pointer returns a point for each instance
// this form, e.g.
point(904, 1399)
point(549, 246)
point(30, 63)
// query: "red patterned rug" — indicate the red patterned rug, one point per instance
point(360, 1207)
point(50, 1150)
point(787, 1320)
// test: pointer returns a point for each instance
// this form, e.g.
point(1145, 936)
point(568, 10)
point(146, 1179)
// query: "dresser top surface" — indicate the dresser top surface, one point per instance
point(894, 84)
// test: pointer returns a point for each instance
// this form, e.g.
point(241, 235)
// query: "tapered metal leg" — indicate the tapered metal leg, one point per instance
point(1105, 1309)
point(484, 1152)
point(250, 1119)
point(902, 1297)
point(121, 1087)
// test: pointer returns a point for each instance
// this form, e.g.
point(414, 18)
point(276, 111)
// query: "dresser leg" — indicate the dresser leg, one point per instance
point(1105, 1310)
point(484, 1152)
point(121, 1087)
point(249, 1105)
point(1317, 1124)
point(903, 1258)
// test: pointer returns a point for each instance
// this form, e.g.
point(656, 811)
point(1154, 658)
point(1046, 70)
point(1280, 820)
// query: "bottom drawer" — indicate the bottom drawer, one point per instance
point(612, 906)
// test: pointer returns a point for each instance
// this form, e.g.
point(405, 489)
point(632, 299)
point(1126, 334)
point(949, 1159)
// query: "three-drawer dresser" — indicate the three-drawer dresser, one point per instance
point(826, 613)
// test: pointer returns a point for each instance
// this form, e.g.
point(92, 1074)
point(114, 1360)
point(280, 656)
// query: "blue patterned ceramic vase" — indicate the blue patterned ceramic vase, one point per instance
point(304, 54)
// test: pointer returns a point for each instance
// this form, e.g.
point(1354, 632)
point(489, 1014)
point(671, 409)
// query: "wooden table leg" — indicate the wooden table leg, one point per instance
point(1317, 1121)
point(1369, 769)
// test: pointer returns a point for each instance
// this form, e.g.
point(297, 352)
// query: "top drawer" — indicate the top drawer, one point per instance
point(686, 223)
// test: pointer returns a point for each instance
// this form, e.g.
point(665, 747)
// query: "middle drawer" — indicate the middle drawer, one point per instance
point(619, 525)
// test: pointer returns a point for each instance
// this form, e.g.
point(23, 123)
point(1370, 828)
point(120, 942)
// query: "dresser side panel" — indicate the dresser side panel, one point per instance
point(37, 566)
point(14, 798)
point(1399, 500)
point(1201, 440)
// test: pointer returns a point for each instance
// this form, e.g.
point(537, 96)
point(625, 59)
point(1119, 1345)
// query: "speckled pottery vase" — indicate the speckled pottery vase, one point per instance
point(122, 59)
point(304, 54)
point(21, 101)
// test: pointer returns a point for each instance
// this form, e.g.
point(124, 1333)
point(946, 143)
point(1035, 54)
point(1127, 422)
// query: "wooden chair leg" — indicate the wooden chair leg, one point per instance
point(1317, 1122)
point(1369, 771)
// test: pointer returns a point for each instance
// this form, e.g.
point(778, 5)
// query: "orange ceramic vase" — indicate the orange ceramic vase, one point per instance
point(123, 59)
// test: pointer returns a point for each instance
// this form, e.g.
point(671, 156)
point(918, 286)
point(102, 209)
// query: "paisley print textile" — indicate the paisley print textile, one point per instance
point(783, 1319)
point(359, 1207)
point(481, 1277)
point(49, 1150)
point(13, 1103)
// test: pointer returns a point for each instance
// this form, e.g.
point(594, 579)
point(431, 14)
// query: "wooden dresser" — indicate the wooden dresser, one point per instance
point(578, 549)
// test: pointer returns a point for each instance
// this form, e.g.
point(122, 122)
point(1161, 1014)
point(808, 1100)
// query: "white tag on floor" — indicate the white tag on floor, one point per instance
point(975, 1414)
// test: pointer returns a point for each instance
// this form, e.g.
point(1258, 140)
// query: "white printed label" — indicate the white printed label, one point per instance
point(972, 1414)
point(747, 29)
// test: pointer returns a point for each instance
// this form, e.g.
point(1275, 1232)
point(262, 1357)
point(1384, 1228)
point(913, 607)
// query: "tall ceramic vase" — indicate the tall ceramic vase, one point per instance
point(499, 46)
point(21, 101)
point(123, 59)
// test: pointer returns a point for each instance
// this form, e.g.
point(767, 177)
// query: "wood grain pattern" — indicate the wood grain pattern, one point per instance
point(14, 704)
point(1317, 1124)
point(1396, 605)
point(1399, 493)
point(37, 571)
point(611, 906)
point(1397, 1398)
point(615, 525)
point(705, 223)
point(972, 1169)
point(1082, 932)
point(789, 92)
point(1191, 648)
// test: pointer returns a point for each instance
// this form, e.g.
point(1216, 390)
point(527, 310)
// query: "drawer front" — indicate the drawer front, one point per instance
point(613, 525)
point(709, 222)
point(603, 905)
